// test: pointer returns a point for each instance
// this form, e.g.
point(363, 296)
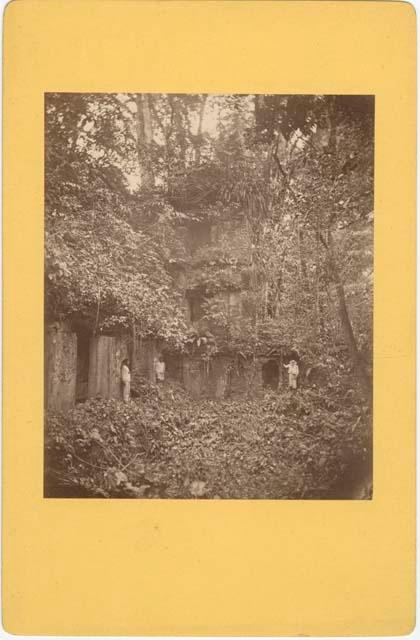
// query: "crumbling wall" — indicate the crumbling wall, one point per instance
point(60, 367)
point(199, 234)
point(77, 367)
point(146, 352)
point(192, 372)
point(218, 374)
point(174, 367)
point(105, 357)
point(233, 237)
point(223, 376)
point(245, 377)
point(180, 280)
point(82, 373)
point(206, 379)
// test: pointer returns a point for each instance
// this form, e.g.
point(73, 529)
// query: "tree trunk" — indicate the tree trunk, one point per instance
point(197, 154)
point(133, 350)
point(361, 373)
point(144, 140)
point(303, 271)
point(180, 133)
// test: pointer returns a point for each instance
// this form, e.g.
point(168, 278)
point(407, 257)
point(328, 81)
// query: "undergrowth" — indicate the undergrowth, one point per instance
point(286, 445)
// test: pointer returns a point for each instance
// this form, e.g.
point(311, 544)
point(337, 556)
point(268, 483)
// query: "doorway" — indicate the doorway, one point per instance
point(270, 374)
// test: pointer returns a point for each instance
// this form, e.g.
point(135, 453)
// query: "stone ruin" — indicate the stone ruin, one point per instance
point(80, 366)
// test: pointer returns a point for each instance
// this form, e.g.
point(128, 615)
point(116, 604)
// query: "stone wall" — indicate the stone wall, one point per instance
point(60, 367)
point(223, 377)
point(206, 379)
point(105, 357)
point(233, 237)
point(174, 368)
point(78, 366)
point(143, 365)
point(245, 378)
point(82, 373)
point(226, 377)
point(218, 378)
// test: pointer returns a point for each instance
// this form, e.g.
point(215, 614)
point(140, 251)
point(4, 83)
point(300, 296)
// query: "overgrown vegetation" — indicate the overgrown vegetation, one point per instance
point(278, 445)
point(135, 186)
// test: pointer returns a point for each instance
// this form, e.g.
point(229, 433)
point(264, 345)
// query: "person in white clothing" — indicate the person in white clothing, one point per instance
point(293, 370)
point(160, 369)
point(126, 380)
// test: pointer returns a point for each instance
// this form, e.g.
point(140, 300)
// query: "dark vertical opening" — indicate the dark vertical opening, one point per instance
point(196, 307)
point(200, 235)
point(270, 374)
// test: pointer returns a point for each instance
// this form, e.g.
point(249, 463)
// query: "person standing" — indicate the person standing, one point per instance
point(126, 380)
point(160, 369)
point(293, 370)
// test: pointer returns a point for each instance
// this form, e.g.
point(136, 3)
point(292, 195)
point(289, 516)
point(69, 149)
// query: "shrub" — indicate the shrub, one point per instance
point(164, 444)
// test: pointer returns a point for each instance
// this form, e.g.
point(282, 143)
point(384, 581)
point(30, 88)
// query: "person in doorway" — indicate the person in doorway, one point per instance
point(293, 370)
point(125, 380)
point(160, 369)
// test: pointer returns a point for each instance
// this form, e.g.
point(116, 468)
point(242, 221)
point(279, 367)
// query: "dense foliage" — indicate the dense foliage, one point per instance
point(125, 173)
point(166, 445)
point(100, 266)
point(253, 212)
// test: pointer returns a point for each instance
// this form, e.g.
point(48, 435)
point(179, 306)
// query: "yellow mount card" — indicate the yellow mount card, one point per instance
point(271, 147)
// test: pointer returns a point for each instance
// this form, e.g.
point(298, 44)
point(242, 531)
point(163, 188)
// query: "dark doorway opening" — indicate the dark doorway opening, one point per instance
point(196, 307)
point(270, 374)
point(200, 235)
point(82, 372)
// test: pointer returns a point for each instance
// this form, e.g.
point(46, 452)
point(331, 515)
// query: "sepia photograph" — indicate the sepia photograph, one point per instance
point(208, 297)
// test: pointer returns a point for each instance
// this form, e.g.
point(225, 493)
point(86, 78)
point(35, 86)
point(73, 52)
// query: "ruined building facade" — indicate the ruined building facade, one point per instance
point(211, 262)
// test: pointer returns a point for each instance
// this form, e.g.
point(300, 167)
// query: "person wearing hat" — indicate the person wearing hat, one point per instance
point(293, 370)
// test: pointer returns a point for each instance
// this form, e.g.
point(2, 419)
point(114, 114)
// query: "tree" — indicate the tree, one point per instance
point(296, 170)
point(323, 150)
point(98, 266)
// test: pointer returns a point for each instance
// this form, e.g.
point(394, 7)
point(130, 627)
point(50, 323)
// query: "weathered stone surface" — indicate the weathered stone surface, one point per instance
point(105, 357)
point(60, 367)
point(146, 352)
point(245, 378)
point(174, 367)
point(82, 373)
point(224, 376)
point(204, 379)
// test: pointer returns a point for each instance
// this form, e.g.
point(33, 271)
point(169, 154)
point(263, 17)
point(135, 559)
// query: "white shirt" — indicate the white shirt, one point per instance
point(160, 370)
point(125, 373)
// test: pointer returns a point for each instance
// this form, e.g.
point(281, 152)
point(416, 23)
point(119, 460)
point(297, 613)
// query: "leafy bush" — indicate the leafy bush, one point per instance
point(97, 445)
point(166, 445)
